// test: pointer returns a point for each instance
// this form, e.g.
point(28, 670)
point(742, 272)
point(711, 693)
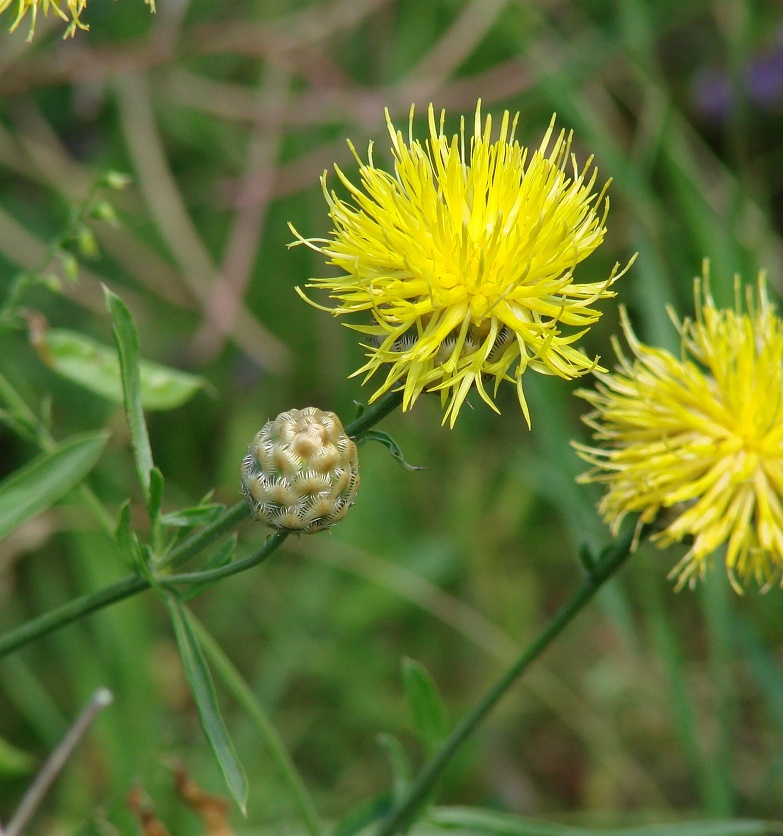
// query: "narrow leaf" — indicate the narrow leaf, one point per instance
point(128, 349)
point(48, 477)
point(124, 536)
point(200, 681)
point(366, 813)
point(426, 707)
point(156, 495)
point(222, 556)
point(192, 517)
point(391, 445)
point(14, 761)
point(96, 367)
point(477, 821)
point(401, 771)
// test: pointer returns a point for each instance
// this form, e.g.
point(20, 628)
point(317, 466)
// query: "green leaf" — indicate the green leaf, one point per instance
point(156, 495)
point(191, 517)
point(711, 827)
point(401, 771)
point(391, 445)
point(48, 477)
point(222, 556)
point(366, 813)
point(200, 681)
point(95, 367)
point(125, 538)
point(128, 349)
point(425, 704)
point(477, 821)
point(14, 761)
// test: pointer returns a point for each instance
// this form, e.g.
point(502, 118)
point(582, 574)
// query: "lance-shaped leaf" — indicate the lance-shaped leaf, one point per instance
point(200, 682)
point(128, 349)
point(391, 445)
point(95, 366)
point(425, 704)
point(48, 477)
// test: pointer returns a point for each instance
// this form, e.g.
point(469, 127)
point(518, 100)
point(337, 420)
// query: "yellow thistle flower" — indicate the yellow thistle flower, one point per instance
point(74, 9)
point(699, 438)
point(463, 260)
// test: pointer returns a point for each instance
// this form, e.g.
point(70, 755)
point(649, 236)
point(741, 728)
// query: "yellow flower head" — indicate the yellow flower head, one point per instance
point(70, 14)
point(701, 436)
point(463, 260)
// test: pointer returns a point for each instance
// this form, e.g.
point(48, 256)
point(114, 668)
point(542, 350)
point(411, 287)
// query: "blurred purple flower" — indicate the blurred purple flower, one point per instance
point(762, 78)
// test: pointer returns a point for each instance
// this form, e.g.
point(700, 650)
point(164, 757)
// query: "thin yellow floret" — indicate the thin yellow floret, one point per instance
point(69, 10)
point(696, 443)
point(462, 260)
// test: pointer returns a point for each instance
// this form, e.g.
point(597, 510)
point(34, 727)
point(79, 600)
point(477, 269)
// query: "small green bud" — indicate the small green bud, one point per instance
point(115, 179)
point(86, 242)
point(70, 265)
point(104, 211)
point(301, 472)
point(52, 282)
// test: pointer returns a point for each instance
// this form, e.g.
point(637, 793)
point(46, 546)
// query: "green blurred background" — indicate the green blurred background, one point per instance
point(654, 706)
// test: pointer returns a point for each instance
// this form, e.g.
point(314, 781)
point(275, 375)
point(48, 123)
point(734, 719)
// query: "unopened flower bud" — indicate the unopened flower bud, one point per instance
point(301, 472)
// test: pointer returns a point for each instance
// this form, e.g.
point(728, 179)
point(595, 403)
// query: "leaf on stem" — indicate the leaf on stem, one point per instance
point(200, 682)
point(193, 517)
point(127, 341)
point(126, 539)
point(222, 556)
point(156, 495)
point(48, 477)
point(401, 771)
point(95, 367)
point(425, 704)
point(391, 445)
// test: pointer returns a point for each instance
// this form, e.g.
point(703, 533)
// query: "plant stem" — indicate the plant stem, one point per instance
point(273, 542)
point(69, 612)
point(77, 608)
point(402, 815)
point(197, 542)
point(373, 414)
point(133, 584)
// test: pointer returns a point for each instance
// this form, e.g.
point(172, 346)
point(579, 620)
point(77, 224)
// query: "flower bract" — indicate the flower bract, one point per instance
point(461, 261)
point(694, 443)
point(301, 472)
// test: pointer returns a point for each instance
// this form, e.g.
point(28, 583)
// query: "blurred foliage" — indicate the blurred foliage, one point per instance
point(654, 707)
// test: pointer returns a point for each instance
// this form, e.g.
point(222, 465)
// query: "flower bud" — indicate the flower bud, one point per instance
point(301, 472)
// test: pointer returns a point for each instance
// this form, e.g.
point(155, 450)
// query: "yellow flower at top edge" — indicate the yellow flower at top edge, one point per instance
point(71, 13)
point(699, 438)
point(462, 261)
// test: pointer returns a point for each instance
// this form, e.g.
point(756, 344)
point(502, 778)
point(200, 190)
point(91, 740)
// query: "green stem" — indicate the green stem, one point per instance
point(247, 699)
point(273, 542)
point(77, 608)
point(373, 414)
point(197, 542)
point(402, 815)
point(69, 612)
